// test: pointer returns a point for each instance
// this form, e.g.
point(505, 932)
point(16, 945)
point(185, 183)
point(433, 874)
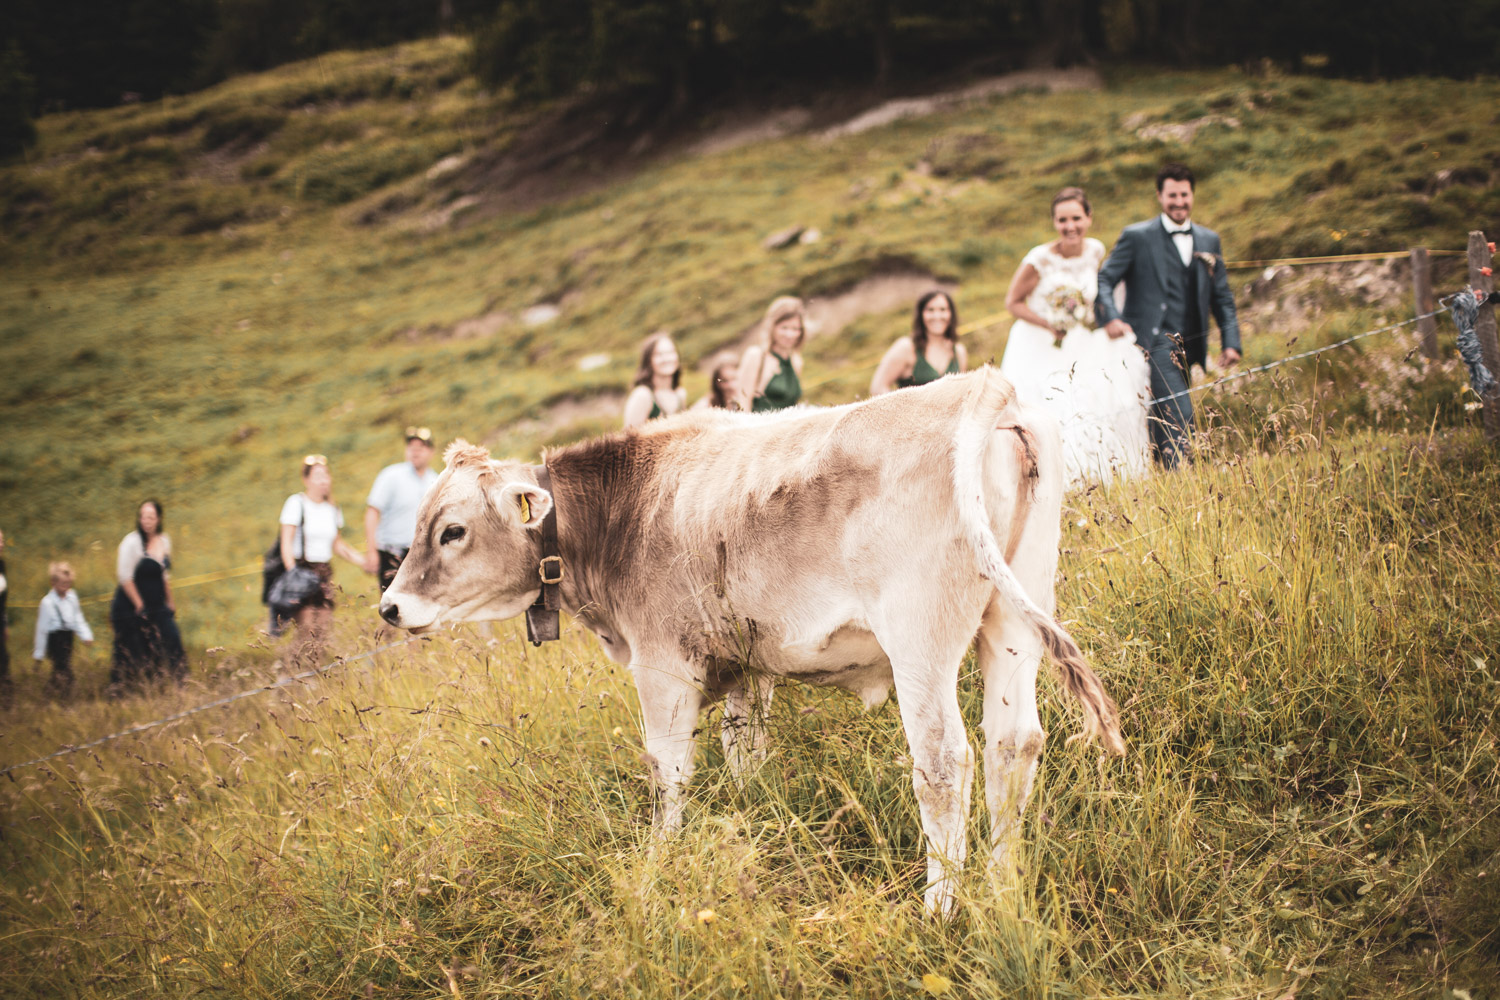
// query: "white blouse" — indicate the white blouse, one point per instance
point(322, 521)
point(132, 551)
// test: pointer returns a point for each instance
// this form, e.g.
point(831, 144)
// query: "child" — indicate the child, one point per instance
point(57, 619)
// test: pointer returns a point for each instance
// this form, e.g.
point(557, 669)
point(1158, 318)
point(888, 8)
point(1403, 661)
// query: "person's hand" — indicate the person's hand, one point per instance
point(372, 561)
point(1229, 357)
point(172, 606)
point(140, 611)
point(1117, 328)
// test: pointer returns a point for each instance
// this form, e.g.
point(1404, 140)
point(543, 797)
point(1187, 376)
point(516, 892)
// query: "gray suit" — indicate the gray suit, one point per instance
point(1168, 305)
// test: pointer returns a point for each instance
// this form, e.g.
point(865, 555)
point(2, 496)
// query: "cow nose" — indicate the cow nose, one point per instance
point(391, 613)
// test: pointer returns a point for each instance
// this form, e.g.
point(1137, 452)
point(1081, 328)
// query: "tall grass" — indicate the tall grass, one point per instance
point(1301, 638)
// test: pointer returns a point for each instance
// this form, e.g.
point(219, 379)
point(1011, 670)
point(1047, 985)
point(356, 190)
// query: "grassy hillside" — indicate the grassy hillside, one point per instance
point(1300, 630)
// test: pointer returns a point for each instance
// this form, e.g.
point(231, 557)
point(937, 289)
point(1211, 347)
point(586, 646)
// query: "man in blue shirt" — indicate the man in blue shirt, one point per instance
point(391, 514)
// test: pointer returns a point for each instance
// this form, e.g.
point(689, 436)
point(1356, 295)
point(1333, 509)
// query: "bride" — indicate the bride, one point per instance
point(1096, 386)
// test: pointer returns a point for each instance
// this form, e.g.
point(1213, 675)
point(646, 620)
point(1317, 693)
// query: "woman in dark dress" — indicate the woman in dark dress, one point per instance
point(771, 372)
point(143, 613)
point(931, 351)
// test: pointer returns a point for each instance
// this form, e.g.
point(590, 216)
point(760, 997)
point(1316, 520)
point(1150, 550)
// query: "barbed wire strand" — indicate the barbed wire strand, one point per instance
point(1298, 357)
point(280, 682)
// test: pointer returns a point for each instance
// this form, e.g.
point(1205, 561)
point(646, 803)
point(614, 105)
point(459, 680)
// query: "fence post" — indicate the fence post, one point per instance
point(1479, 261)
point(1421, 283)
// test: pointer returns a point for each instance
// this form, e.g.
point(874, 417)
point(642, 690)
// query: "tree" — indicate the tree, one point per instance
point(17, 91)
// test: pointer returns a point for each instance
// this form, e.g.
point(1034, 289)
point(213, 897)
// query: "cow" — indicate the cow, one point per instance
point(864, 546)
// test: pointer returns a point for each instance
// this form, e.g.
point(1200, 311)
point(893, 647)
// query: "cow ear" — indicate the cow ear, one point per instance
point(524, 504)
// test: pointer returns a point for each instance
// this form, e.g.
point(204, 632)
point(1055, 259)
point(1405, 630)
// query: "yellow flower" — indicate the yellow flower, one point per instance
point(359, 829)
point(619, 732)
point(936, 985)
point(707, 916)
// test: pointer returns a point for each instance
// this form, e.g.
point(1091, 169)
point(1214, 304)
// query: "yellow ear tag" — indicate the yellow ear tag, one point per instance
point(525, 510)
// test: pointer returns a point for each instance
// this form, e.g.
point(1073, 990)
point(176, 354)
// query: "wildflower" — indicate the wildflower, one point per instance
point(936, 985)
point(484, 741)
point(619, 732)
point(707, 916)
point(359, 829)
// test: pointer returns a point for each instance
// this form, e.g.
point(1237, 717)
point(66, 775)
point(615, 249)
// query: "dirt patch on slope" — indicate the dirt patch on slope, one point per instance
point(1046, 80)
point(557, 417)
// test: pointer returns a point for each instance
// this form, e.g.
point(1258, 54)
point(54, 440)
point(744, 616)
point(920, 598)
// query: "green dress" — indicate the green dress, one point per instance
point(922, 372)
point(784, 389)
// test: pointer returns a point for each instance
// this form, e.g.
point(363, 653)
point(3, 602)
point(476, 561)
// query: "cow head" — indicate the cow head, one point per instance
point(474, 557)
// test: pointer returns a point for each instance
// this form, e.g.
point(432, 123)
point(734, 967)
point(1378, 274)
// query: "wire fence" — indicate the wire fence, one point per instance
point(343, 661)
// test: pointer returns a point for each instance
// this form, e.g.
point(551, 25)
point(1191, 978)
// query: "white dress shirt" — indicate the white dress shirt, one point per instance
point(59, 614)
point(1181, 235)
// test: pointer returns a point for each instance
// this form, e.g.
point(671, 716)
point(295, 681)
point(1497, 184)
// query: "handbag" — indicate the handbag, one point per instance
point(293, 588)
point(271, 566)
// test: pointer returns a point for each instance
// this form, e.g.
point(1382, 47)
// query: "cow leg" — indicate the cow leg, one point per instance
point(744, 731)
point(942, 761)
point(1010, 653)
point(669, 709)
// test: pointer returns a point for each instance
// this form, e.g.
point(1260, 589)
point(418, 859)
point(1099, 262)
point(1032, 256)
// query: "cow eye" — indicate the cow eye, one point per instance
point(452, 533)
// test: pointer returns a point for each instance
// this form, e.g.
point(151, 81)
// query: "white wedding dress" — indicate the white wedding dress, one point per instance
point(1096, 386)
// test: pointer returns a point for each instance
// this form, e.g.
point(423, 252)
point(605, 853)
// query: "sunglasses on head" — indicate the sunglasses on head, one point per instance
point(312, 460)
point(421, 434)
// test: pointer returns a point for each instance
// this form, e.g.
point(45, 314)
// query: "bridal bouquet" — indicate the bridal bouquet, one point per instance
point(1069, 310)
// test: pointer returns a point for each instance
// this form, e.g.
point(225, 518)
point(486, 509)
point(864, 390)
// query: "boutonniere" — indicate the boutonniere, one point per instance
point(1211, 260)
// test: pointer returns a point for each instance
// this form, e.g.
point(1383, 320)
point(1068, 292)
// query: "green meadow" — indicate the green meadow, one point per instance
point(1300, 630)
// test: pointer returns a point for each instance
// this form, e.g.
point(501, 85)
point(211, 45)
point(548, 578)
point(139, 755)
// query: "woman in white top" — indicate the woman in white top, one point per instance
point(1095, 386)
point(143, 613)
point(658, 390)
point(310, 526)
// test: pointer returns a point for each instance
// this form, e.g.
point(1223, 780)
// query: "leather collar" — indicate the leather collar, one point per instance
point(542, 624)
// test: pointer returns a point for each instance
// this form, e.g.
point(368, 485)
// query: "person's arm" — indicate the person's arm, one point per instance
point(288, 538)
point(348, 551)
point(1221, 301)
point(1022, 285)
point(1115, 268)
point(749, 382)
point(44, 616)
point(638, 406)
point(963, 357)
point(129, 555)
point(797, 363)
point(372, 525)
point(80, 624)
point(899, 360)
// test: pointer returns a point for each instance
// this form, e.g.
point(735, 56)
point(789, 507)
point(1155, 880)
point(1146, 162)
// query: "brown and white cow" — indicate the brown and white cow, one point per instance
point(864, 546)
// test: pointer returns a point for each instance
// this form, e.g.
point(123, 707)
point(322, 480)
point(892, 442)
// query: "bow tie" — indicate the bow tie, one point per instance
point(1186, 229)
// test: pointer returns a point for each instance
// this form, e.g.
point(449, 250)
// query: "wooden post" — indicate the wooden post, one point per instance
point(1421, 283)
point(1479, 261)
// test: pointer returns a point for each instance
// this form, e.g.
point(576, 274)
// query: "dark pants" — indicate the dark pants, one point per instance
point(389, 563)
point(60, 652)
point(1171, 420)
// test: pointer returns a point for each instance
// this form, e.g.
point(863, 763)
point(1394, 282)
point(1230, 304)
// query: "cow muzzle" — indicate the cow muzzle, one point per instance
point(391, 612)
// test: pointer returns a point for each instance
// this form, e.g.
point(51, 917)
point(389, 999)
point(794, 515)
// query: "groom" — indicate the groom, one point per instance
point(1174, 277)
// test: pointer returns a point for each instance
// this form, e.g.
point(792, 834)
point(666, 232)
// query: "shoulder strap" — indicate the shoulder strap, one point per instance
point(542, 623)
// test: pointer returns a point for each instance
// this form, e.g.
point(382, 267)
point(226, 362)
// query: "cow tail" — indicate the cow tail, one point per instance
point(981, 411)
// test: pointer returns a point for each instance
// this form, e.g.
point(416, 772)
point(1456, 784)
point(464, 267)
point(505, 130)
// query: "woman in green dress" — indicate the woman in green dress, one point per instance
point(931, 351)
point(771, 371)
point(658, 390)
